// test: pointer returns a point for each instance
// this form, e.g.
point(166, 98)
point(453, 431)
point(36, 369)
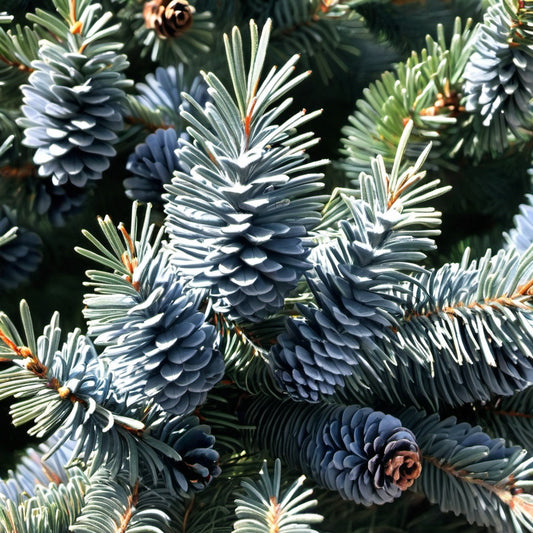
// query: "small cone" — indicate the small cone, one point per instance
point(168, 18)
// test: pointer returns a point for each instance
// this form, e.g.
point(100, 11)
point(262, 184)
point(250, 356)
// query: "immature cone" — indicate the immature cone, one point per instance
point(168, 18)
point(367, 456)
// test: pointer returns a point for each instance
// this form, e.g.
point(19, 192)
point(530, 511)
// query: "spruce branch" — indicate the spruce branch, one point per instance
point(68, 388)
point(238, 216)
point(482, 478)
point(402, 189)
point(425, 88)
point(322, 31)
point(51, 508)
point(466, 338)
point(111, 504)
point(358, 282)
point(96, 503)
point(510, 417)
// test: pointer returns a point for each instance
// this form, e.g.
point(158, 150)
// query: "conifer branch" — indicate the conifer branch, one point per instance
point(239, 163)
point(469, 465)
point(241, 282)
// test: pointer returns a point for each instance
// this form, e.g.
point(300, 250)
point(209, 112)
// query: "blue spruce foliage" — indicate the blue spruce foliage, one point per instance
point(80, 371)
point(34, 470)
point(521, 236)
point(462, 462)
point(240, 212)
point(449, 340)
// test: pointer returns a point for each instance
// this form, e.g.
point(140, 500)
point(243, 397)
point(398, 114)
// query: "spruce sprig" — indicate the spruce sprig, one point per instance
point(246, 189)
point(484, 480)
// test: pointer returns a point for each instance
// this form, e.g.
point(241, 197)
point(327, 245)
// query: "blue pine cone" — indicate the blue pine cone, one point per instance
point(199, 462)
point(58, 202)
point(153, 164)
point(73, 111)
point(158, 341)
point(355, 308)
point(365, 455)
point(244, 232)
point(162, 92)
point(20, 256)
point(311, 358)
point(499, 75)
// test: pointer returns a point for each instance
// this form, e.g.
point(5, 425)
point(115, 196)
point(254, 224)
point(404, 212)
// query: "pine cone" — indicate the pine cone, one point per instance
point(158, 342)
point(367, 456)
point(152, 164)
point(58, 202)
point(193, 441)
point(168, 18)
point(314, 354)
point(499, 74)
point(250, 242)
point(20, 256)
point(72, 110)
point(162, 90)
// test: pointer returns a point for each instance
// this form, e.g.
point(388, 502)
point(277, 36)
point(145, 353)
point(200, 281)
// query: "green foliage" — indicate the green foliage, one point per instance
point(425, 89)
point(18, 48)
point(323, 32)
